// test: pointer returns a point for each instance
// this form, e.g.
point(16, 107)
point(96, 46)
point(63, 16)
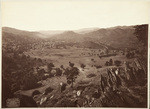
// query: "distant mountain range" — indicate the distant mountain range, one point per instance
point(56, 32)
point(116, 37)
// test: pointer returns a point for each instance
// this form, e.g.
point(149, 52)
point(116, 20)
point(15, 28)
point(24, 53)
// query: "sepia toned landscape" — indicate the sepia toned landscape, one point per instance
point(91, 67)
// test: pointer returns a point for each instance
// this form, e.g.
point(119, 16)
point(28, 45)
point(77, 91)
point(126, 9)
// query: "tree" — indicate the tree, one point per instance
point(71, 74)
point(107, 63)
point(50, 66)
point(82, 66)
point(29, 81)
point(58, 72)
point(6, 91)
point(39, 60)
point(117, 63)
point(110, 62)
point(141, 32)
point(130, 54)
point(71, 64)
point(62, 66)
point(41, 72)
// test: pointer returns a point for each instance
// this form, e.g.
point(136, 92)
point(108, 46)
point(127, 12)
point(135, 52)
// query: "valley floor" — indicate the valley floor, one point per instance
point(129, 93)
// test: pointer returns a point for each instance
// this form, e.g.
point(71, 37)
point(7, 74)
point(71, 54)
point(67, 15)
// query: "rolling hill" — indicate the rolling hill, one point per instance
point(8, 32)
point(119, 37)
point(50, 33)
point(18, 40)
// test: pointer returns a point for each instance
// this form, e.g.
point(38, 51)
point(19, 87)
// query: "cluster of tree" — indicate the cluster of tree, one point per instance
point(83, 66)
point(109, 63)
point(52, 71)
point(17, 73)
point(71, 73)
point(141, 32)
point(117, 62)
point(130, 55)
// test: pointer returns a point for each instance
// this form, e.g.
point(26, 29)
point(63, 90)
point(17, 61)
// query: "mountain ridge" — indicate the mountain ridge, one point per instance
point(116, 37)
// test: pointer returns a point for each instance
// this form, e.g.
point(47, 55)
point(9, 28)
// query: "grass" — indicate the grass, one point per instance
point(89, 77)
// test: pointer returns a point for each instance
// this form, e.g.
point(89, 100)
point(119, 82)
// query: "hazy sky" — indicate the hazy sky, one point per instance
point(73, 14)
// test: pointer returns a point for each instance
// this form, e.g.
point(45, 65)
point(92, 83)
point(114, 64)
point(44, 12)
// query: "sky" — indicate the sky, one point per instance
point(73, 14)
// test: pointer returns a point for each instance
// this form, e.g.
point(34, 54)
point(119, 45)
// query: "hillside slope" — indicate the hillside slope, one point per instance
point(117, 37)
point(14, 39)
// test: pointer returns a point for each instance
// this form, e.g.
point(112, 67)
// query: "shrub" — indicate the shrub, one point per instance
point(91, 75)
point(48, 90)
point(44, 77)
point(82, 66)
point(110, 62)
point(50, 66)
point(71, 64)
point(117, 63)
point(98, 66)
point(107, 63)
point(36, 92)
point(62, 66)
point(71, 74)
point(58, 72)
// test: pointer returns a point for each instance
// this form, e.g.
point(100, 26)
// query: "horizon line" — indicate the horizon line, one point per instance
point(74, 29)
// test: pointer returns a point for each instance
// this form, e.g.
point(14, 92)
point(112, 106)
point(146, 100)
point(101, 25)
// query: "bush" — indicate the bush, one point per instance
point(48, 90)
point(30, 82)
point(82, 66)
point(107, 63)
point(98, 66)
point(51, 75)
point(91, 75)
point(58, 72)
point(36, 92)
point(71, 64)
point(71, 74)
point(130, 55)
point(117, 63)
point(41, 72)
point(44, 77)
point(110, 62)
point(39, 60)
point(62, 66)
point(50, 66)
